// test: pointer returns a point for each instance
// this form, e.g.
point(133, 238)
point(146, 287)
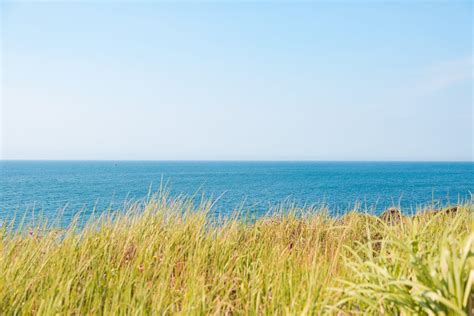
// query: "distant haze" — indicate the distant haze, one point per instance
point(237, 81)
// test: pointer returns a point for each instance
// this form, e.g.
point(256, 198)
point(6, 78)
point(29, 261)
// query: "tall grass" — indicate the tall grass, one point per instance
point(168, 257)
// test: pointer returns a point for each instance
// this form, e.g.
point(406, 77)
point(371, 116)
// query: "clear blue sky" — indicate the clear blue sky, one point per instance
point(251, 81)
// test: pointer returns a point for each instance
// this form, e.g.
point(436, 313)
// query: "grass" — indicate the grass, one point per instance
point(167, 257)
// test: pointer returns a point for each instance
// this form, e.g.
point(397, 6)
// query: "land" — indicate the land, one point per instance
point(167, 256)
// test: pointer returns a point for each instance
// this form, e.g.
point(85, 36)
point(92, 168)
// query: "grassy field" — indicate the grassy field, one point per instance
point(168, 257)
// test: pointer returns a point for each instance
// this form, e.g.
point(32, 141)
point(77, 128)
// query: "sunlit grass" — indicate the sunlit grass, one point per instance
point(168, 257)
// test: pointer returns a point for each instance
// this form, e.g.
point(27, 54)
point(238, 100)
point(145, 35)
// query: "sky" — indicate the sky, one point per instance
point(237, 80)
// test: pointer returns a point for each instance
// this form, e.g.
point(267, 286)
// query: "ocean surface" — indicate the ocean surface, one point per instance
point(46, 186)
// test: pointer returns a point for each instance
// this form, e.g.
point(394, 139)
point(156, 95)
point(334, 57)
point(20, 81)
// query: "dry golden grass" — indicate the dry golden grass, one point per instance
point(166, 257)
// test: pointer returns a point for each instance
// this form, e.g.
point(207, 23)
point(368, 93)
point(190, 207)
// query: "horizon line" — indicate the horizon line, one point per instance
point(233, 160)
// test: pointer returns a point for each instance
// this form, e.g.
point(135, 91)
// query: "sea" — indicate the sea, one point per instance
point(69, 187)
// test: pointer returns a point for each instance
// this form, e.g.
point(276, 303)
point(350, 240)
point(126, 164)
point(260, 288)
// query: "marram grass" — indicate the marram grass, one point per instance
point(167, 257)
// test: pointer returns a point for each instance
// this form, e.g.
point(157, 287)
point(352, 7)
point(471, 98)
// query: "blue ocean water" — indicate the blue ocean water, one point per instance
point(50, 185)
